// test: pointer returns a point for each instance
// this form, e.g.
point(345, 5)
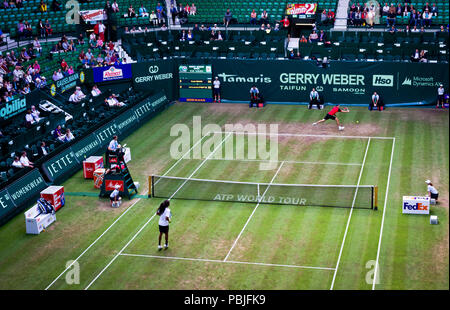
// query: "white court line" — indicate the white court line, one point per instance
point(350, 216)
point(382, 220)
point(225, 262)
point(126, 211)
point(303, 135)
point(146, 223)
point(292, 162)
point(251, 215)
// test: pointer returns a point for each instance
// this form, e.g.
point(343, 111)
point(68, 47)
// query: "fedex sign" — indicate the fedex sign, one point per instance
point(416, 205)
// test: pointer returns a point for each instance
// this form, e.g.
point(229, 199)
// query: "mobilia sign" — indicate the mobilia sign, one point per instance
point(12, 108)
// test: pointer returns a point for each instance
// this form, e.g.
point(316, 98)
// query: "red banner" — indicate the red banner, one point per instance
point(301, 9)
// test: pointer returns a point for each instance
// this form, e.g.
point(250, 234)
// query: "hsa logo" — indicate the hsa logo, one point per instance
point(383, 80)
point(416, 207)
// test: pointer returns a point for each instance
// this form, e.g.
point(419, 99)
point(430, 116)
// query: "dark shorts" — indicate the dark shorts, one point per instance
point(113, 198)
point(328, 116)
point(164, 229)
point(441, 97)
point(216, 91)
point(434, 196)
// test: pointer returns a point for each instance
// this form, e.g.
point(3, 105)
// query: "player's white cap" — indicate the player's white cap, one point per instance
point(428, 181)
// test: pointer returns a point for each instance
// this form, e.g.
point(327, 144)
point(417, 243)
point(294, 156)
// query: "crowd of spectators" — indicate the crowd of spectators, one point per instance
point(363, 14)
point(16, 78)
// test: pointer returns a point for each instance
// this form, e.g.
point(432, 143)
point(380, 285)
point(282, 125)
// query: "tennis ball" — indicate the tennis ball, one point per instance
point(357, 122)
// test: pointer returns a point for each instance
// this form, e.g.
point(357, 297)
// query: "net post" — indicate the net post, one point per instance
point(150, 186)
point(375, 197)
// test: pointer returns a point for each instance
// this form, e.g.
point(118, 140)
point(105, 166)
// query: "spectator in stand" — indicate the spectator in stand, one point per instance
point(56, 5)
point(95, 91)
point(426, 7)
point(183, 36)
point(324, 17)
point(434, 10)
point(37, 46)
point(303, 39)
point(115, 7)
point(187, 9)
point(112, 101)
point(43, 150)
point(285, 22)
point(68, 136)
point(193, 9)
point(426, 17)
point(16, 164)
point(313, 37)
point(160, 8)
point(55, 76)
point(64, 64)
point(131, 12)
point(227, 18)
point(219, 36)
point(153, 18)
point(57, 133)
point(190, 35)
point(385, 9)
point(29, 120)
point(264, 19)
point(370, 17)
point(391, 17)
point(41, 29)
point(415, 57)
point(143, 11)
point(42, 7)
point(70, 71)
point(330, 16)
point(399, 10)
point(25, 161)
point(173, 13)
point(423, 56)
point(48, 28)
point(160, 16)
point(163, 27)
point(291, 54)
point(322, 37)
point(253, 16)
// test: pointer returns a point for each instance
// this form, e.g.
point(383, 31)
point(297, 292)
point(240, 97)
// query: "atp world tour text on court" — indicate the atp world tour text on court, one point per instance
point(260, 142)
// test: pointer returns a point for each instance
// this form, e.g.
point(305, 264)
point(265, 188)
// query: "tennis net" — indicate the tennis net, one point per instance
point(345, 196)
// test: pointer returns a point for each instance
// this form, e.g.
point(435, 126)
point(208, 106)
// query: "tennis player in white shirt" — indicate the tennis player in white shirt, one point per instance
point(164, 219)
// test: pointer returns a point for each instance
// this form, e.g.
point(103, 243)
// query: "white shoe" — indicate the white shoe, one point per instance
point(165, 246)
point(314, 124)
point(341, 127)
point(159, 248)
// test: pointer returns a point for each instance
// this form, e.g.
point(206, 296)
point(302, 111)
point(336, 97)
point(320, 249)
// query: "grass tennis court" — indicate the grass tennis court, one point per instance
point(232, 245)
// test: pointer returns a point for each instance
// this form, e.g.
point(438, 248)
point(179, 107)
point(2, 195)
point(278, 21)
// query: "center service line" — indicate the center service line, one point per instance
point(146, 223)
point(251, 215)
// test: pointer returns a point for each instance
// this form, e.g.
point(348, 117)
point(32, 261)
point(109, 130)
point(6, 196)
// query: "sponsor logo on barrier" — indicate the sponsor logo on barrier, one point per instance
point(5, 201)
point(153, 69)
point(407, 81)
point(12, 108)
point(61, 164)
point(419, 81)
point(383, 80)
point(234, 78)
point(112, 74)
point(415, 207)
point(110, 185)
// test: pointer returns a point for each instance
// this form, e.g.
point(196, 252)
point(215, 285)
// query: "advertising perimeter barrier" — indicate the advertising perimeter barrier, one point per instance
point(291, 81)
point(17, 196)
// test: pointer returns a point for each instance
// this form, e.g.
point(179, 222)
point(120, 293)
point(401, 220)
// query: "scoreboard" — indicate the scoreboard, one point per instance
point(195, 83)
